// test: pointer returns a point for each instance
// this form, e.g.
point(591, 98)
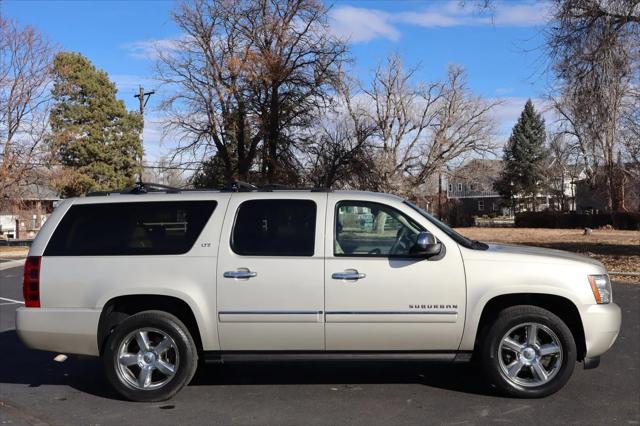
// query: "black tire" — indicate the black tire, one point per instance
point(184, 354)
point(509, 319)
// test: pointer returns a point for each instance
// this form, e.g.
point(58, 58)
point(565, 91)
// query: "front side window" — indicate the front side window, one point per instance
point(142, 228)
point(275, 228)
point(373, 229)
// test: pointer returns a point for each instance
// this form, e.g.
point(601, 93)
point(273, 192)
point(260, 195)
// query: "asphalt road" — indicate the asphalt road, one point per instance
point(35, 389)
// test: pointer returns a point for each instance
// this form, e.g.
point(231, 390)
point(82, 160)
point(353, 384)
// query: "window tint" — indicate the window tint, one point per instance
point(144, 228)
point(275, 228)
point(372, 229)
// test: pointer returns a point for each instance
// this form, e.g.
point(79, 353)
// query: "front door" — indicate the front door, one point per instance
point(379, 297)
point(270, 287)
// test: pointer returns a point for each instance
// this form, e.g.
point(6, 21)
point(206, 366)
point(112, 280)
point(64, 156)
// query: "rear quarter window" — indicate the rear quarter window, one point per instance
point(120, 229)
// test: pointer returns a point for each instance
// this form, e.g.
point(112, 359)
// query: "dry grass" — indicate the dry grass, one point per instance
point(8, 252)
point(618, 250)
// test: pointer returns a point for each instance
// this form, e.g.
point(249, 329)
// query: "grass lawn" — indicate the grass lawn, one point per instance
point(618, 250)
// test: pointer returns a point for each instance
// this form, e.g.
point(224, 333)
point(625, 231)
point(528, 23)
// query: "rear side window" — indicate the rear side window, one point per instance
point(114, 229)
point(275, 228)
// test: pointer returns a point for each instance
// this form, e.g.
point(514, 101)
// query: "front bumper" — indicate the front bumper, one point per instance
point(69, 331)
point(601, 328)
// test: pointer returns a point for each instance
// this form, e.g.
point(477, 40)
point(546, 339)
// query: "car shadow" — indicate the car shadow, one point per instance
point(21, 365)
point(463, 378)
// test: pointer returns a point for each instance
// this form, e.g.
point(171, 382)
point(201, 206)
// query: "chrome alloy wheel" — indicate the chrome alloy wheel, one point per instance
point(530, 355)
point(147, 359)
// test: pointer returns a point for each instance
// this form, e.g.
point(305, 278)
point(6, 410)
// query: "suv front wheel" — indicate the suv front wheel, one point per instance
point(528, 352)
point(150, 356)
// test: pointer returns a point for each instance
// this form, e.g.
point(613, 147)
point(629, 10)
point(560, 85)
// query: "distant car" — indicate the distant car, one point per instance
point(154, 282)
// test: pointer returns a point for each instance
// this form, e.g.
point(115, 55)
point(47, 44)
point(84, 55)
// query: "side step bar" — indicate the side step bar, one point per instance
point(314, 356)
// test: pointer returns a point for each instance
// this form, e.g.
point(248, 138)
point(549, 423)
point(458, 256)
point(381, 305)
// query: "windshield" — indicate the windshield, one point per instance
point(458, 238)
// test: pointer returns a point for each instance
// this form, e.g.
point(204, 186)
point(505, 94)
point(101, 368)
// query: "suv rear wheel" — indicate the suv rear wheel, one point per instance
point(528, 352)
point(150, 356)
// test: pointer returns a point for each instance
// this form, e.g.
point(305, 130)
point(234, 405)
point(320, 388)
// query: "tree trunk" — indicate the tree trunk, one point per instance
point(273, 135)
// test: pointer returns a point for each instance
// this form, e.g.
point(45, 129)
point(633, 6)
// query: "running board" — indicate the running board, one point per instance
point(313, 356)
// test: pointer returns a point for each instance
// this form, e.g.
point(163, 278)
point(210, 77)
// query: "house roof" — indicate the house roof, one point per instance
point(478, 168)
point(34, 191)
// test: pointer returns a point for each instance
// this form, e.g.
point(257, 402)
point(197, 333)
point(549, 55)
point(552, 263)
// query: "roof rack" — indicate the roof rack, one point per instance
point(139, 188)
point(145, 187)
point(235, 186)
point(238, 186)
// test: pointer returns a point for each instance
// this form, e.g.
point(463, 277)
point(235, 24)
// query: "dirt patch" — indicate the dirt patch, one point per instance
point(618, 250)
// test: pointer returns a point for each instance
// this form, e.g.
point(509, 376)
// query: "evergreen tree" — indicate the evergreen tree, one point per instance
point(524, 158)
point(97, 141)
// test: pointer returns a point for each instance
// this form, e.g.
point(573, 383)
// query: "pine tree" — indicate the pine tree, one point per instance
point(524, 158)
point(97, 141)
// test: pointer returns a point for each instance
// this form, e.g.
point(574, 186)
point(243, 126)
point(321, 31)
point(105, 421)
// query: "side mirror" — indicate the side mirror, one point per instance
point(426, 245)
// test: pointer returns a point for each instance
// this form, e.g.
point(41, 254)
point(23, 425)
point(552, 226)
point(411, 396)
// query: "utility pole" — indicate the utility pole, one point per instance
point(143, 97)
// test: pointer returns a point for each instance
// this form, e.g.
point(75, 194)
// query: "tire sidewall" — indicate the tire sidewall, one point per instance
point(185, 346)
point(511, 318)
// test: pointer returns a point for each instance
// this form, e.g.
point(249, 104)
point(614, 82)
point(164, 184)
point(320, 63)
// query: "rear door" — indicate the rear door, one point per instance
point(270, 272)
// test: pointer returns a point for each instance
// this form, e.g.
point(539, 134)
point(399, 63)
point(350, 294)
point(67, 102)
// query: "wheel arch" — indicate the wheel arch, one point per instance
point(119, 308)
point(564, 308)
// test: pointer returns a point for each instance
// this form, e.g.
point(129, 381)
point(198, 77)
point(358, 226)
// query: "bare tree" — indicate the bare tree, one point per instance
point(422, 128)
point(246, 76)
point(163, 172)
point(630, 132)
point(563, 167)
point(402, 113)
point(339, 149)
point(25, 72)
point(464, 126)
point(594, 51)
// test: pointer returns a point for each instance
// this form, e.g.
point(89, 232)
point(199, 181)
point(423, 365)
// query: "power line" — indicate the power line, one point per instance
point(158, 167)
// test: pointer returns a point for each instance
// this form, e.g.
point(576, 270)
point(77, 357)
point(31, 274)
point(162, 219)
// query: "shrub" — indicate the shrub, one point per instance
point(626, 220)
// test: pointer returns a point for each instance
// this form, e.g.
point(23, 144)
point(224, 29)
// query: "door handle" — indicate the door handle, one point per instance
point(240, 273)
point(349, 274)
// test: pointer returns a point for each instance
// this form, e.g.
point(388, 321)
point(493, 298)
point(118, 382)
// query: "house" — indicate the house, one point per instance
point(592, 195)
point(22, 218)
point(470, 192)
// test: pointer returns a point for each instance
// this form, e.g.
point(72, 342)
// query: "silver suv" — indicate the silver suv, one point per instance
point(154, 281)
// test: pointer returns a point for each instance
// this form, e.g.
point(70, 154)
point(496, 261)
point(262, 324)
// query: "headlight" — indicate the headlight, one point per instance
point(601, 287)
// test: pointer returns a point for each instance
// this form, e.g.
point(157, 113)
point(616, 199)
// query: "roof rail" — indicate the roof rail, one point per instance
point(238, 186)
point(139, 188)
point(235, 186)
point(145, 187)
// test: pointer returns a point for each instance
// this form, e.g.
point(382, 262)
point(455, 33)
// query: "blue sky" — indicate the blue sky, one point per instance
point(501, 52)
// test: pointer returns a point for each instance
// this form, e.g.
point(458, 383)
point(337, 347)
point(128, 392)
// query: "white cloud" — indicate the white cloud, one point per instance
point(504, 90)
point(150, 49)
point(504, 14)
point(156, 143)
point(360, 25)
point(522, 15)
